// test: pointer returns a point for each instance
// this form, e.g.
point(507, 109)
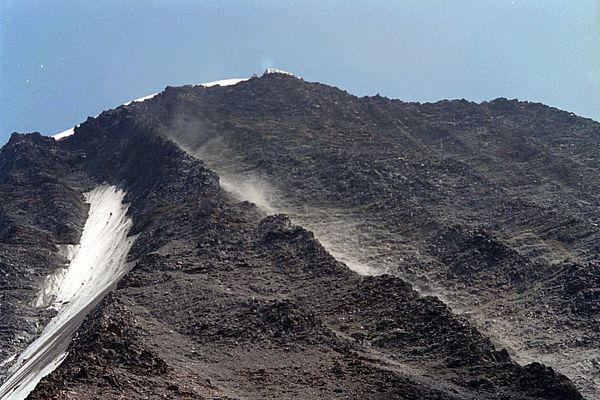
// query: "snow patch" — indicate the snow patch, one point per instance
point(141, 99)
point(65, 134)
point(51, 284)
point(97, 264)
point(224, 82)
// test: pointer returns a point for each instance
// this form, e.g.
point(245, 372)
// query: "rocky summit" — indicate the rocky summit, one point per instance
point(288, 240)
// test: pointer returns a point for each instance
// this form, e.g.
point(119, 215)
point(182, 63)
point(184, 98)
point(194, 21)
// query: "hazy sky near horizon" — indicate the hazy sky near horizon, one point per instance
point(61, 61)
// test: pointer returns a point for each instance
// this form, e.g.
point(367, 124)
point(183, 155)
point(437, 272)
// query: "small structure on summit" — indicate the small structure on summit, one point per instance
point(278, 71)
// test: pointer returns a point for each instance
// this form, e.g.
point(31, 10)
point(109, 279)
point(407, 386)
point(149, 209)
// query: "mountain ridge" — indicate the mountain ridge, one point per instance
point(294, 137)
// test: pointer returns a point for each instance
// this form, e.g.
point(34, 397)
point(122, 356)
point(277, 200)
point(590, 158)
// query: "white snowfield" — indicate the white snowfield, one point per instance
point(97, 264)
point(224, 82)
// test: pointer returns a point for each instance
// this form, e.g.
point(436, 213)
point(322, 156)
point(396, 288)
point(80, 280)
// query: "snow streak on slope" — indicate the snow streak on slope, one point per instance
point(223, 82)
point(97, 264)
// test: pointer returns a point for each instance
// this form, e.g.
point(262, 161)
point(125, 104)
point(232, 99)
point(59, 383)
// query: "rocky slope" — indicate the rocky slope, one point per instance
point(492, 207)
point(474, 203)
point(38, 210)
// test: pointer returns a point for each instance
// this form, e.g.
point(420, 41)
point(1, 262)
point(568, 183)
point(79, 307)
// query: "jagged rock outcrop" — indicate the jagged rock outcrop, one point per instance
point(226, 302)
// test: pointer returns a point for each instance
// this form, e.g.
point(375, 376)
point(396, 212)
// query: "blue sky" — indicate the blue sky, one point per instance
point(61, 61)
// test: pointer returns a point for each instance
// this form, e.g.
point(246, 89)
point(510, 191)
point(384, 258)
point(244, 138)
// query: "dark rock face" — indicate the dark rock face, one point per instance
point(39, 208)
point(491, 206)
point(225, 302)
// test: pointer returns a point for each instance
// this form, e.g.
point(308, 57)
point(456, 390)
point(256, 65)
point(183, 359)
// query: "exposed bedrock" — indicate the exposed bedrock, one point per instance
point(225, 301)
